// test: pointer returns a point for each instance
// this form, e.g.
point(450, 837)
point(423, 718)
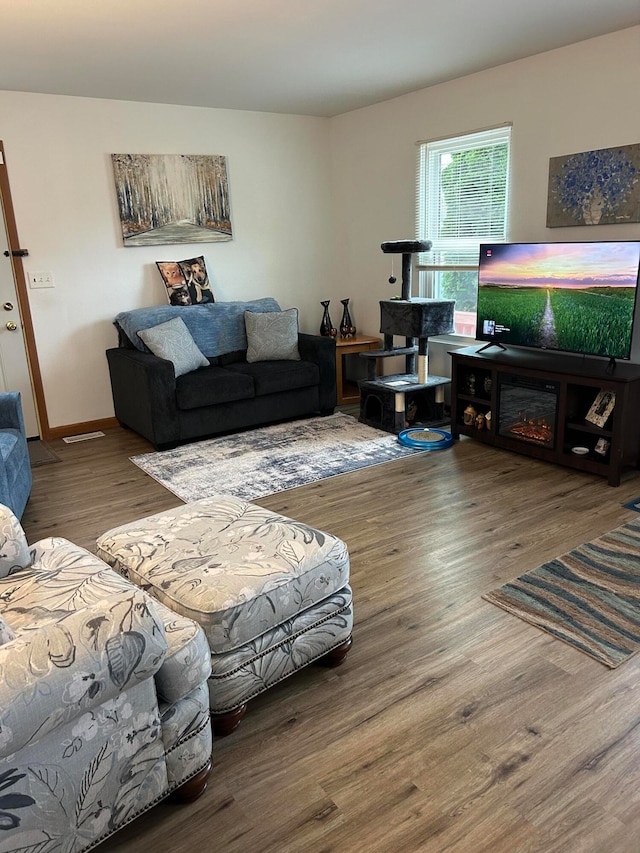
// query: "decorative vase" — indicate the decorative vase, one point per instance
point(326, 328)
point(347, 329)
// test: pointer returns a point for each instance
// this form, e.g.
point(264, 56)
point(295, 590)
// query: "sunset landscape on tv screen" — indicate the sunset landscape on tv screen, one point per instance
point(577, 297)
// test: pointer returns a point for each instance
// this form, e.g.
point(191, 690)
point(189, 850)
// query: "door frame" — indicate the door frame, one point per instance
point(23, 299)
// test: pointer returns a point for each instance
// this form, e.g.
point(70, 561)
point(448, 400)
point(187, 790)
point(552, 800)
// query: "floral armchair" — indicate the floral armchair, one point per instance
point(104, 704)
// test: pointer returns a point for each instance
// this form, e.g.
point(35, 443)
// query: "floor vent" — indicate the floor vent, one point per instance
point(84, 436)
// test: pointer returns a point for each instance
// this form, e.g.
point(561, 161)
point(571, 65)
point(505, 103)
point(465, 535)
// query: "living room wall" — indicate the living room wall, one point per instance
point(58, 157)
point(311, 198)
point(574, 99)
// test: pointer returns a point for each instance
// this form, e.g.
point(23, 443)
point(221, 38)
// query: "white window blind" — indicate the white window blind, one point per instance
point(462, 196)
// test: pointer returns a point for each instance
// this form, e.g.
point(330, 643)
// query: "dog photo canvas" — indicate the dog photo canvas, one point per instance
point(195, 275)
point(186, 282)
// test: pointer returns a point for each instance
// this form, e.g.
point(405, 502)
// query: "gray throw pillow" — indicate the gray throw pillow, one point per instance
point(272, 335)
point(172, 340)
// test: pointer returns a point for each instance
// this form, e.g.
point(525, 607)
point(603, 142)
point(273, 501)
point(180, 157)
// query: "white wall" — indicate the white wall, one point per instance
point(311, 198)
point(573, 99)
point(58, 157)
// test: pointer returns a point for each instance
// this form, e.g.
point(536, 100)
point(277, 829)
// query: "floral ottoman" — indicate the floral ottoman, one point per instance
point(271, 593)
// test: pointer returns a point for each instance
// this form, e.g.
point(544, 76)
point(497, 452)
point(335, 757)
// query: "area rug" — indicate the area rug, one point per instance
point(271, 459)
point(588, 597)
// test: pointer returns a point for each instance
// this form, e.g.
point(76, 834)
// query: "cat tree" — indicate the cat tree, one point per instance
point(395, 402)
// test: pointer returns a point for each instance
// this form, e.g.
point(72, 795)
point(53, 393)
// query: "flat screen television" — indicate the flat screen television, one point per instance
point(575, 297)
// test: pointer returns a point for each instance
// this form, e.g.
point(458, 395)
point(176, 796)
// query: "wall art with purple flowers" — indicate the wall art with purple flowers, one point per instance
point(599, 187)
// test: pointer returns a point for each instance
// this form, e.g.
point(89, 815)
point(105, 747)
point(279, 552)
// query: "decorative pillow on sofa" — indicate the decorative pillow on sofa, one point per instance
point(216, 327)
point(187, 282)
point(175, 283)
point(272, 336)
point(172, 340)
point(197, 279)
point(14, 551)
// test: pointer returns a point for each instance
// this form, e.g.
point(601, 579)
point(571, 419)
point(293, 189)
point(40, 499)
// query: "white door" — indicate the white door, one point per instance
point(14, 365)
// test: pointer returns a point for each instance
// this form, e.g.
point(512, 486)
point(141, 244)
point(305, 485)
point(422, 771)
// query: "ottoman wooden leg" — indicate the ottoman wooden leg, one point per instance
point(223, 724)
point(194, 787)
point(336, 656)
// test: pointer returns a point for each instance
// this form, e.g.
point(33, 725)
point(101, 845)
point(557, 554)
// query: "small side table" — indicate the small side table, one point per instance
point(348, 392)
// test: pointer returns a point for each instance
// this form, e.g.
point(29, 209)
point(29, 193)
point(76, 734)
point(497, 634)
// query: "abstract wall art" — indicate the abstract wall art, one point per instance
point(172, 198)
point(600, 187)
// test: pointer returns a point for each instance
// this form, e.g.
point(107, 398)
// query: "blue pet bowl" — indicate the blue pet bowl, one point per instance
point(425, 438)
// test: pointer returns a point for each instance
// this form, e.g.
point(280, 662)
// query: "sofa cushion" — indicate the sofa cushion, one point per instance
point(216, 327)
point(231, 357)
point(272, 377)
point(15, 470)
point(172, 340)
point(232, 566)
point(211, 387)
point(65, 577)
point(14, 551)
point(188, 660)
point(272, 336)
point(70, 666)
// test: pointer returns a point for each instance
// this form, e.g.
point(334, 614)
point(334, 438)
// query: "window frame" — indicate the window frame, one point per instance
point(429, 269)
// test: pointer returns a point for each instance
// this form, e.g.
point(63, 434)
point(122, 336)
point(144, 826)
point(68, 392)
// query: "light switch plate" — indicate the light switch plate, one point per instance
point(40, 279)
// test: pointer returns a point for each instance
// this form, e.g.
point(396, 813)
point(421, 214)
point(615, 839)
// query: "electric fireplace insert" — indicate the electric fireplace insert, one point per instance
point(528, 409)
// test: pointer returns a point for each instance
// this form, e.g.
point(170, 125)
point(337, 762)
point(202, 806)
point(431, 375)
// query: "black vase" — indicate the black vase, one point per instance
point(326, 328)
point(347, 329)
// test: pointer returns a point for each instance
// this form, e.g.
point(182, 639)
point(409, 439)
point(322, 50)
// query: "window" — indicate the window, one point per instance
point(462, 201)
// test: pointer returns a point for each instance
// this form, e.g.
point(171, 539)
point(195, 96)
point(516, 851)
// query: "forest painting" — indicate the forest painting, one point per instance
point(172, 198)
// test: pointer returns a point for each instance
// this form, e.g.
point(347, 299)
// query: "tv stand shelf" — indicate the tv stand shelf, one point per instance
point(536, 402)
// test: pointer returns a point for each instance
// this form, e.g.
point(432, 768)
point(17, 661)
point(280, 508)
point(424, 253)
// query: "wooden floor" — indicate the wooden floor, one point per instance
point(452, 725)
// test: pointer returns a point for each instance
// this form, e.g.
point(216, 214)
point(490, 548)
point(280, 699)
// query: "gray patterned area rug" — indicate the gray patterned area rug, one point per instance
point(271, 459)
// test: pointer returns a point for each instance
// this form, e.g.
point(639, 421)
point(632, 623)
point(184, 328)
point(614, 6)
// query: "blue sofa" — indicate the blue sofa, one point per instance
point(15, 466)
point(226, 395)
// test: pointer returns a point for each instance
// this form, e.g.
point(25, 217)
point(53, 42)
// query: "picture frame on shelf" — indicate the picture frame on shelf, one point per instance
point(601, 408)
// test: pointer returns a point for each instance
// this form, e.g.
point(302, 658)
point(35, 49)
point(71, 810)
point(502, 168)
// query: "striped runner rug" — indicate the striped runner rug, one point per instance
point(589, 597)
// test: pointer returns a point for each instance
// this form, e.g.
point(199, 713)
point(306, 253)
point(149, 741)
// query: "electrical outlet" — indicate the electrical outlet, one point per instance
point(40, 279)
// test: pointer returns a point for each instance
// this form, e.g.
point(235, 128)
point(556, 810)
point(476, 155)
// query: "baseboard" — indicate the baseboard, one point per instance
point(77, 429)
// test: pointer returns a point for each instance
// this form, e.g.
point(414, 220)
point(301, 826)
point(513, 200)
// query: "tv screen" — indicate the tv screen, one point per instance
point(576, 297)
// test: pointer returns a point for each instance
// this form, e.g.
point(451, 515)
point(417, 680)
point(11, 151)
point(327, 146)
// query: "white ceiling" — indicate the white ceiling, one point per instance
point(308, 57)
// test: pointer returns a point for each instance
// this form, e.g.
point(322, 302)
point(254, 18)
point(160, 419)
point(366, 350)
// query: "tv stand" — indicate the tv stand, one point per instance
point(537, 404)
